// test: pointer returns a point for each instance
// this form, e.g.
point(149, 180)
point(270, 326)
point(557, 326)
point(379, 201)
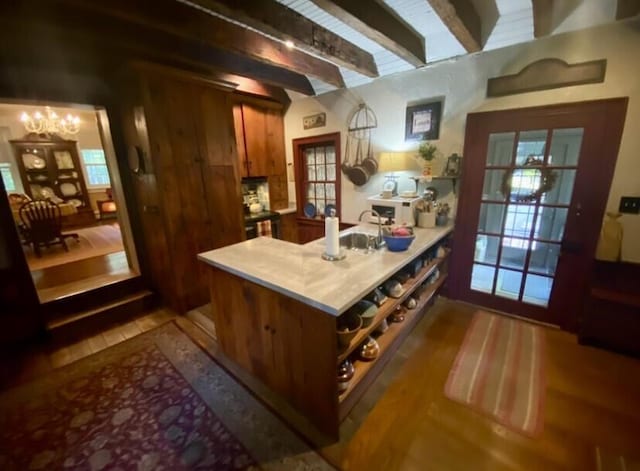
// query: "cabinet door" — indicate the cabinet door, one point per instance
point(255, 138)
point(274, 123)
point(289, 228)
point(278, 192)
point(238, 124)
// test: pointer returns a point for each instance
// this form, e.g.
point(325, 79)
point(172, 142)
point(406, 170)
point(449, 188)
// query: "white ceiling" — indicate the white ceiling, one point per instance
point(514, 25)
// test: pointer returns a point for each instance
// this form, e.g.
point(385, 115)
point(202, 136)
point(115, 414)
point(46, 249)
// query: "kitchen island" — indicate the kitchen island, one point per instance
point(275, 305)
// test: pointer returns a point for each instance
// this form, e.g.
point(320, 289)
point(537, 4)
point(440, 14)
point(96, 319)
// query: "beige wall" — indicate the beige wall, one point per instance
point(461, 84)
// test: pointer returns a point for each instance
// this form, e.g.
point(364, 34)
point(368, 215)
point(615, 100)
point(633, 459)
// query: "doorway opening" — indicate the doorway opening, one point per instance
point(60, 173)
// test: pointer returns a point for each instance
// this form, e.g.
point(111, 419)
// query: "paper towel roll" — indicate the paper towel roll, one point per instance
point(332, 242)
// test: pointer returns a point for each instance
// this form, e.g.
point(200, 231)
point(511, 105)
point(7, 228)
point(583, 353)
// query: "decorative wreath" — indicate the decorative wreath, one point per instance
point(547, 180)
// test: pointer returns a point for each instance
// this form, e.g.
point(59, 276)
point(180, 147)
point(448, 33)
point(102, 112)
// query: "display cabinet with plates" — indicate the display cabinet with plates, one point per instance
point(50, 168)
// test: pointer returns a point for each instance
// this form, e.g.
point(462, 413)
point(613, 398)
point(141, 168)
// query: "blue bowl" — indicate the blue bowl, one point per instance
point(398, 243)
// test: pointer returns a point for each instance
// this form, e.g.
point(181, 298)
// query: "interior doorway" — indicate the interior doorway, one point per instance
point(60, 173)
point(536, 183)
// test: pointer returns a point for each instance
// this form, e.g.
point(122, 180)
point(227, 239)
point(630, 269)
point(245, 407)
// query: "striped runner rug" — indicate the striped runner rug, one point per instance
point(499, 371)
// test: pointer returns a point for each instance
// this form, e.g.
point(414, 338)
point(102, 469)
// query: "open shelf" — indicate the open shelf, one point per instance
point(365, 371)
point(390, 305)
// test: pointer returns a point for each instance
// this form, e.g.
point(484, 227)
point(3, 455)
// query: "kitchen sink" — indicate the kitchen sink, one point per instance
point(360, 241)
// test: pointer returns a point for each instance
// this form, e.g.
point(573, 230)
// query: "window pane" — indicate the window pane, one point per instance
point(311, 172)
point(565, 146)
point(562, 188)
point(491, 217)
point(320, 155)
point(531, 145)
point(492, 188)
point(310, 156)
point(89, 156)
point(7, 177)
point(500, 149)
point(486, 249)
point(320, 190)
point(330, 153)
point(331, 172)
point(537, 290)
point(508, 285)
point(320, 173)
point(311, 190)
point(98, 175)
point(330, 191)
point(552, 221)
point(544, 258)
point(482, 278)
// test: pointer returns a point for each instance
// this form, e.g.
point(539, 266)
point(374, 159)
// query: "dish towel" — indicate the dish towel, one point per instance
point(264, 228)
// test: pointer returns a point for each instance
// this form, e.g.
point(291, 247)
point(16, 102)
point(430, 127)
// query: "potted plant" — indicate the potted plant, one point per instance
point(427, 153)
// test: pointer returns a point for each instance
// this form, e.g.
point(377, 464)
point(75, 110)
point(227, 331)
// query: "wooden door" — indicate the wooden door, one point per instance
point(536, 182)
point(255, 138)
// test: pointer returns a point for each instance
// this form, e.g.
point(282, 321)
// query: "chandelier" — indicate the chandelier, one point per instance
point(50, 122)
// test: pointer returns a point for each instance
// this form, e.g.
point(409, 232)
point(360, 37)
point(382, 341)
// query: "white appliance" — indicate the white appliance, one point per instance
point(396, 210)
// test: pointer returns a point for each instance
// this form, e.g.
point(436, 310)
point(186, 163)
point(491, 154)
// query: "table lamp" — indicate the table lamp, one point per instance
point(390, 162)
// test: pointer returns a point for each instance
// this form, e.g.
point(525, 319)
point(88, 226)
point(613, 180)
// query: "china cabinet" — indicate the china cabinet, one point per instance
point(50, 168)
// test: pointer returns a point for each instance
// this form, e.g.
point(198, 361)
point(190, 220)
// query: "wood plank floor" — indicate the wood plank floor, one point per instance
point(405, 422)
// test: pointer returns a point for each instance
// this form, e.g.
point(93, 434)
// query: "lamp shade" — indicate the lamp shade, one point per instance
point(394, 161)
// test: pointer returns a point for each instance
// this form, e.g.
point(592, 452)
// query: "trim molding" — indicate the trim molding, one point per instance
point(547, 74)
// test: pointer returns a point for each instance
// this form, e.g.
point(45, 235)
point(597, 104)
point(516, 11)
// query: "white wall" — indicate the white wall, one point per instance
point(462, 83)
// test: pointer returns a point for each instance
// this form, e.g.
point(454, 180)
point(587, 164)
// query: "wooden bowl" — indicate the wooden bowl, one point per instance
point(348, 327)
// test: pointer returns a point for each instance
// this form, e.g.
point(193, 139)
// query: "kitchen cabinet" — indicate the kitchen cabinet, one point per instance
point(289, 227)
point(188, 199)
point(259, 132)
point(50, 168)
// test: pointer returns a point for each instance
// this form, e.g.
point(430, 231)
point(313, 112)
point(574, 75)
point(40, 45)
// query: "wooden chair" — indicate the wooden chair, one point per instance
point(43, 225)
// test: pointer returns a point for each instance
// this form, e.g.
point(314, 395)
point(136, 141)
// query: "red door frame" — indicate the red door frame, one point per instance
point(603, 121)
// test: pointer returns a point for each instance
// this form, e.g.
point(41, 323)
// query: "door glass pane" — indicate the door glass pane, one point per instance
point(565, 147)
point(500, 149)
point(519, 223)
point(562, 188)
point(311, 172)
point(537, 290)
point(513, 257)
point(551, 223)
point(482, 278)
point(544, 258)
point(531, 145)
point(310, 156)
point(320, 155)
point(330, 153)
point(320, 173)
point(486, 249)
point(331, 172)
point(491, 217)
point(508, 285)
point(492, 188)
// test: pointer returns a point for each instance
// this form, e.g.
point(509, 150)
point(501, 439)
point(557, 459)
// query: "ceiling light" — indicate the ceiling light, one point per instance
point(50, 123)
point(289, 44)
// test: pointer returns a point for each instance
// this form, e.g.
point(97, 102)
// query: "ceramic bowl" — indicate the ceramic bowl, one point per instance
point(348, 326)
point(367, 310)
point(398, 243)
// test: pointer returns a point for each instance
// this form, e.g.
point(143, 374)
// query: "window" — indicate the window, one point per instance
point(96, 167)
point(7, 177)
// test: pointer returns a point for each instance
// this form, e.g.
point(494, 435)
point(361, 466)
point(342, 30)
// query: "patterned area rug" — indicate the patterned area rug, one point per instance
point(93, 242)
point(499, 371)
point(153, 402)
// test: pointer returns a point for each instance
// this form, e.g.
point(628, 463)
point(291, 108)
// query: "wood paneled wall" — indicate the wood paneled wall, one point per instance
point(189, 199)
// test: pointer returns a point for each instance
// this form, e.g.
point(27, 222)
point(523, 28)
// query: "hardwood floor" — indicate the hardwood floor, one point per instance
point(404, 422)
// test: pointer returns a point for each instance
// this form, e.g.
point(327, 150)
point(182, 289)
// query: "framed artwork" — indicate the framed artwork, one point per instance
point(423, 122)
point(314, 121)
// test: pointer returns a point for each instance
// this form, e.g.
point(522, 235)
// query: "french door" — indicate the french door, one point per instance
point(536, 183)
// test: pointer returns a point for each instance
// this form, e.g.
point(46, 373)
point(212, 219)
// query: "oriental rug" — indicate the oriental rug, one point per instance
point(499, 371)
point(93, 242)
point(154, 402)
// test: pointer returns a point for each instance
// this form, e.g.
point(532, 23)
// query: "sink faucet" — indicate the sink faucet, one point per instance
point(379, 240)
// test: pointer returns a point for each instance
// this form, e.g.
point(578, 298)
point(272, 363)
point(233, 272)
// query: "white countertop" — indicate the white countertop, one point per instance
point(299, 272)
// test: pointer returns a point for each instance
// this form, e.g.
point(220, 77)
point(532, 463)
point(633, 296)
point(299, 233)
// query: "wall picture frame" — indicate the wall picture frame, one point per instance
point(423, 121)
point(317, 120)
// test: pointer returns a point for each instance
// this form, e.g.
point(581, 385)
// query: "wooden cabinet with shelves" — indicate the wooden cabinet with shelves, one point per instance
point(259, 131)
point(51, 168)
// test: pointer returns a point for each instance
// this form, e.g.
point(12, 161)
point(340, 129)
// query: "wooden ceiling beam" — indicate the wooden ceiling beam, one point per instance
point(71, 36)
point(185, 21)
point(542, 17)
point(462, 19)
point(627, 9)
point(380, 24)
point(279, 21)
